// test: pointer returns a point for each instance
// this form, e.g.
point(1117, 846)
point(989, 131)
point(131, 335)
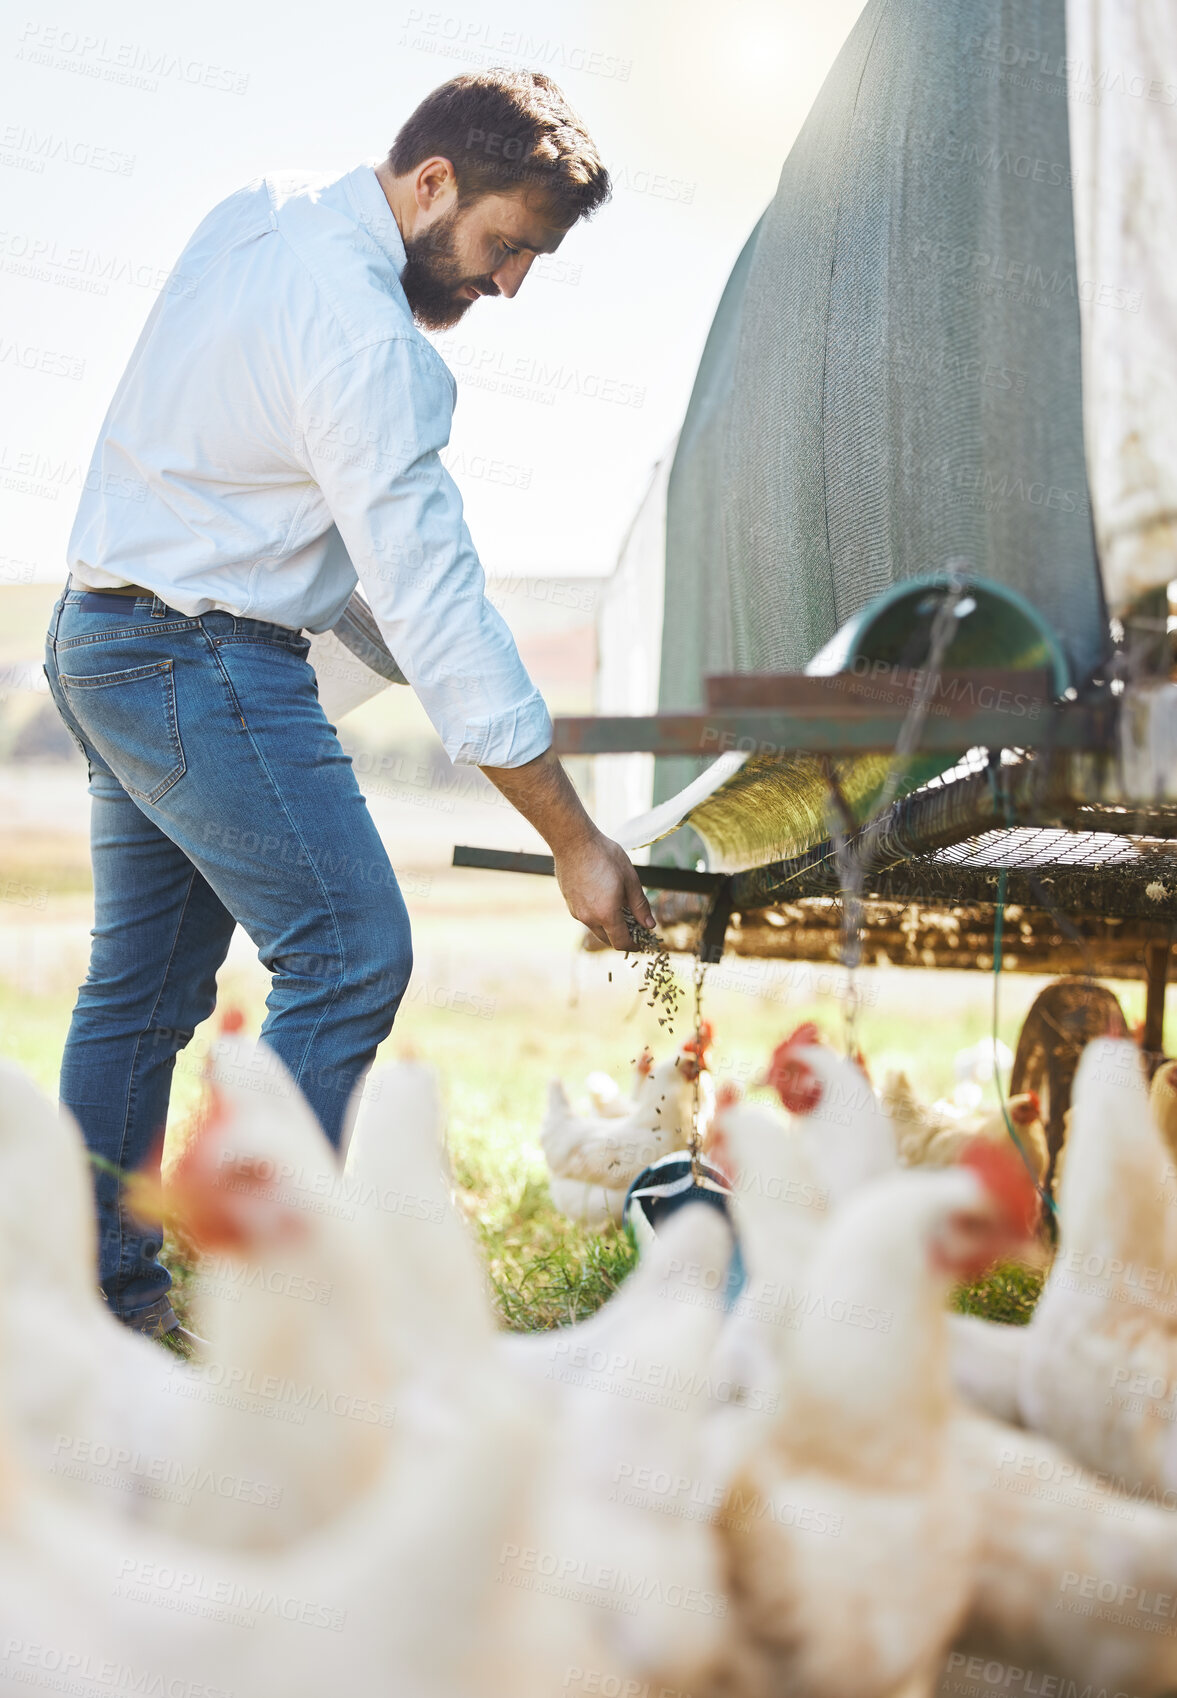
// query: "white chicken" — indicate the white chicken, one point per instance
point(399, 1577)
point(914, 1122)
point(400, 1581)
point(851, 1536)
point(615, 1401)
point(592, 1159)
point(1099, 1361)
point(848, 1137)
point(933, 1134)
point(1074, 1582)
point(285, 1416)
point(605, 1094)
point(1024, 1128)
point(82, 1388)
point(620, 1508)
point(292, 1390)
point(987, 1365)
point(780, 1209)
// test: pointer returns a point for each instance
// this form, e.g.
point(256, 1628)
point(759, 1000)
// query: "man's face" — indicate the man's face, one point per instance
point(485, 248)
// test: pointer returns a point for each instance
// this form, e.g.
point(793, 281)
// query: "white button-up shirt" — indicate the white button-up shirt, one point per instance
point(276, 435)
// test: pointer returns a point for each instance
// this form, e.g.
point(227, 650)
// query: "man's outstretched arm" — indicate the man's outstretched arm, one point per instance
point(596, 877)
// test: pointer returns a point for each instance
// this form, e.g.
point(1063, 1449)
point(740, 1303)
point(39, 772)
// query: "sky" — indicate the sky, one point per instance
point(122, 123)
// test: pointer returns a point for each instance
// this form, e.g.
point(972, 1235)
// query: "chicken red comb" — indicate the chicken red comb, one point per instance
point(232, 1020)
point(794, 1082)
point(1003, 1173)
point(693, 1054)
point(645, 1063)
point(700, 1040)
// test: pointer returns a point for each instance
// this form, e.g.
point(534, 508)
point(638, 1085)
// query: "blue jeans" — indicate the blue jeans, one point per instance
point(220, 795)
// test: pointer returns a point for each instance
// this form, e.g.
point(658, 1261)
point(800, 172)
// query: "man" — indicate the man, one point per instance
point(274, 437)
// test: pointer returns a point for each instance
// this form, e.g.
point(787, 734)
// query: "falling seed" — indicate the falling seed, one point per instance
point(658, 981)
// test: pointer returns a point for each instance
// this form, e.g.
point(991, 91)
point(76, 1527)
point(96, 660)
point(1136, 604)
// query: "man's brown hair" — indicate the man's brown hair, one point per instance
point(505, 132)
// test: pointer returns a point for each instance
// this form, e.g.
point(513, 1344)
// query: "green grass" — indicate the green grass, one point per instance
point(501, 1002)
point(1008, 1293)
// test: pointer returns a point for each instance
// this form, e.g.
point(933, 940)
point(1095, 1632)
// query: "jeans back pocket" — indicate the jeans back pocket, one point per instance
point(130, 717)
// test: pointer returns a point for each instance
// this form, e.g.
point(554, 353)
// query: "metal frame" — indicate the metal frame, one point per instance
point(1068, 788)
point(849, 713)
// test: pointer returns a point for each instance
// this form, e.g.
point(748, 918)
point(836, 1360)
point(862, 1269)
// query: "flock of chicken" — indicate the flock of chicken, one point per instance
point(815, 1481)
point(594, 1155)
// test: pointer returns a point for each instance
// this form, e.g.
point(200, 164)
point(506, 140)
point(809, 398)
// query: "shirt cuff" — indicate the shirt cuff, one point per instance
point(509, 739)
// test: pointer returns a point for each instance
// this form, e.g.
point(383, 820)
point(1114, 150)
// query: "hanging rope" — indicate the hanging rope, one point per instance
point(852, 854)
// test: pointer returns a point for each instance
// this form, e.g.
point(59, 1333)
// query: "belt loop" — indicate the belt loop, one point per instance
point(159, 609)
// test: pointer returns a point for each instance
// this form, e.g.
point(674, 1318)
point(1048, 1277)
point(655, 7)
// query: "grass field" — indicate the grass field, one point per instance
point(502, 1000)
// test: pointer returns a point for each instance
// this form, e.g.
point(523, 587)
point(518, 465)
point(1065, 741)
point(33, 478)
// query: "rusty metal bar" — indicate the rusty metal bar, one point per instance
point(959, 694)
point(844, 728)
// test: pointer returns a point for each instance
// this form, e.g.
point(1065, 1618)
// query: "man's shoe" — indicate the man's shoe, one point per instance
point(153, 1321)
point(181, 1341)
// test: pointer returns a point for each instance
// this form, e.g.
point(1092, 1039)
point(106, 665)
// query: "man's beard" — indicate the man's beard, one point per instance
point(432, 276)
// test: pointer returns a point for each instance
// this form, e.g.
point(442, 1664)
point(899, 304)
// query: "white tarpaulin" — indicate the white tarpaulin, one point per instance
point(1122, 100)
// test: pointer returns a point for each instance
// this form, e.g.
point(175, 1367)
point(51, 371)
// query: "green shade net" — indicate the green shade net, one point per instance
point(892, 379)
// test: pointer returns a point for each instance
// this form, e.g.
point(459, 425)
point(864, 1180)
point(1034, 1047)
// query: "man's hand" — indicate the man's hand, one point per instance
point(597, 880)
point(595, 875)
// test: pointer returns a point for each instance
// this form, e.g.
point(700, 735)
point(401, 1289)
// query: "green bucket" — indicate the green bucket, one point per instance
point(997, 628)
point(776, 808)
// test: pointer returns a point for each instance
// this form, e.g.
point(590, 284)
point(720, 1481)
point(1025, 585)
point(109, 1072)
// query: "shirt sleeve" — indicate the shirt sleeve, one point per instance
point(373, 428)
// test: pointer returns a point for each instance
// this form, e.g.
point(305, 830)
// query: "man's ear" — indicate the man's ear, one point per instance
point(434, 182)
